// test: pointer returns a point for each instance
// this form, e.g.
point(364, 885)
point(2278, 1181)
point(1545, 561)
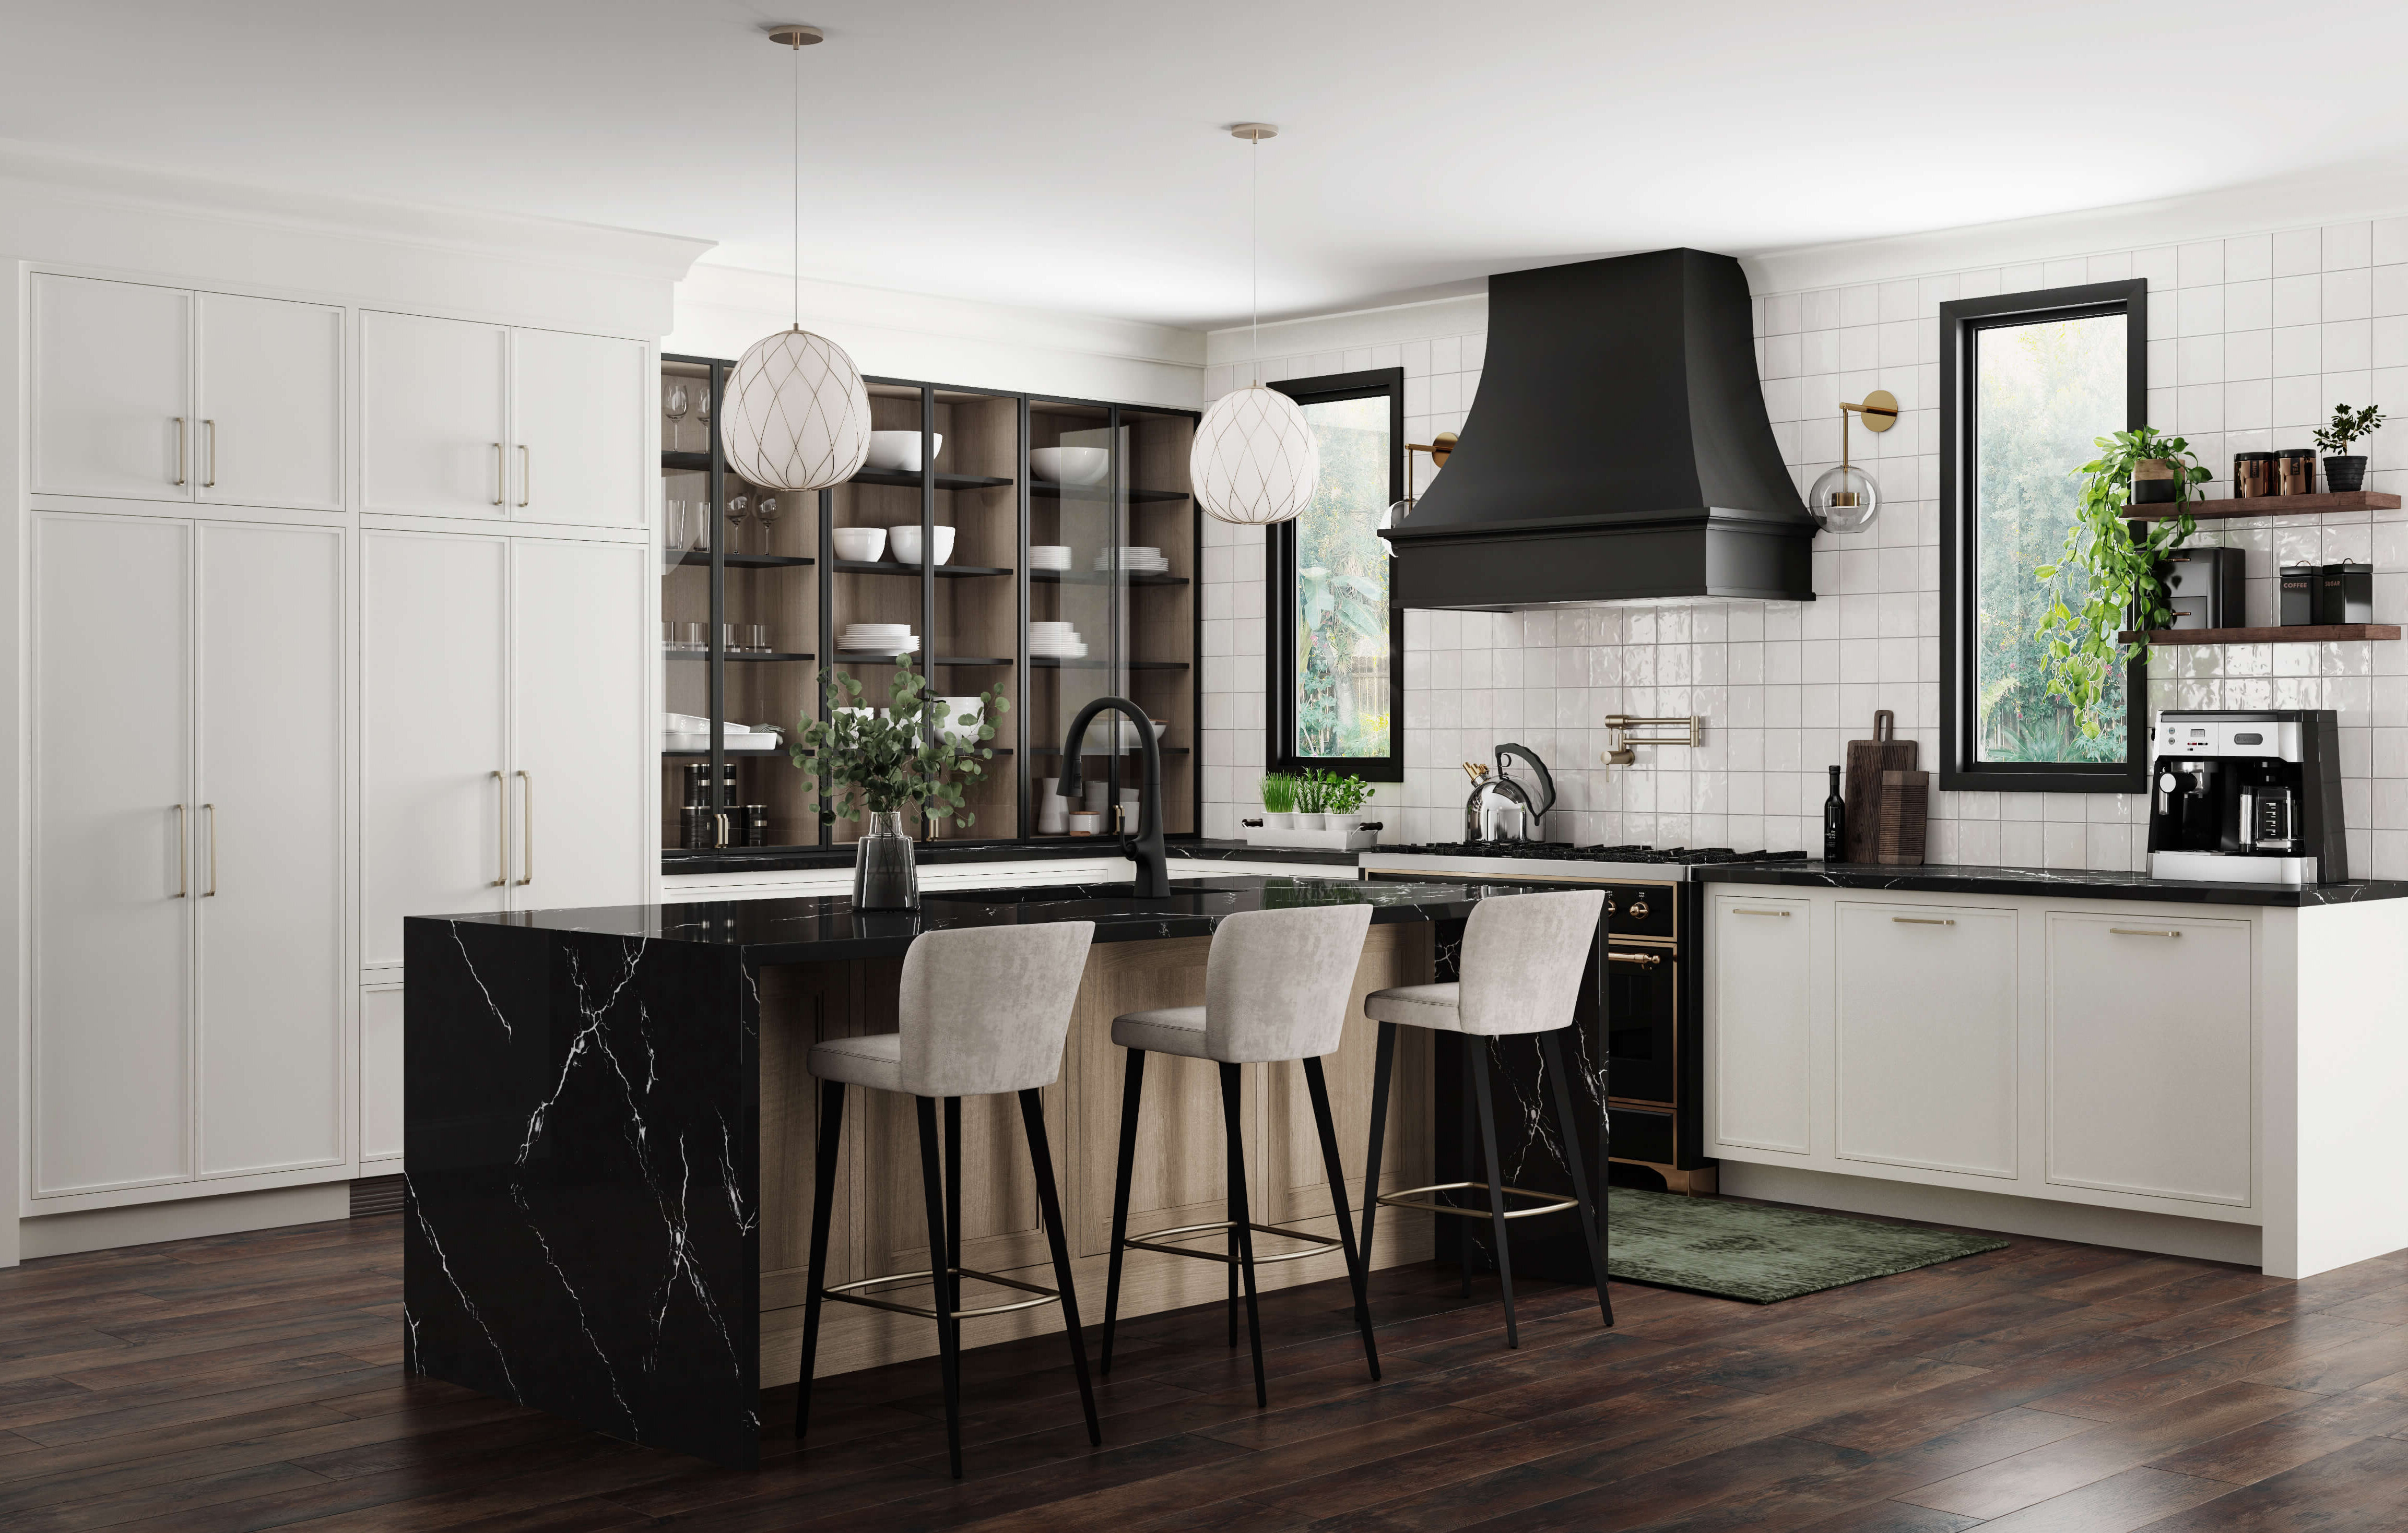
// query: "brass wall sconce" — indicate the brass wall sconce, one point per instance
point(1438, 448)
point(1845, 499)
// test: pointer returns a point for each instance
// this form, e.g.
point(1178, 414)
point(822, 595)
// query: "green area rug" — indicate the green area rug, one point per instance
point(1761, 1252)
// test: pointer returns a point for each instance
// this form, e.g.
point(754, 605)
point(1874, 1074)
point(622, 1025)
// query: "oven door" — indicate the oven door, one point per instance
point(1642, 1006)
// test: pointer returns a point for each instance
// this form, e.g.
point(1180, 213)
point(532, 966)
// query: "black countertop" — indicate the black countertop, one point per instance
point(816, 930)
point(2074, 883)
point(792, 859)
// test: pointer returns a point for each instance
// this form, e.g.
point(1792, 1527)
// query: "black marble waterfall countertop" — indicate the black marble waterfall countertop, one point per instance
point(2074, 883)
point(814, 930)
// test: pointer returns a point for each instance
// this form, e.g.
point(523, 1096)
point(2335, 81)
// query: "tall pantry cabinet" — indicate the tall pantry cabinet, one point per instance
point(333, 615)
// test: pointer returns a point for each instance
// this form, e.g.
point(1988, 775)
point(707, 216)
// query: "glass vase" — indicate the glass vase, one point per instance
point(884, 876)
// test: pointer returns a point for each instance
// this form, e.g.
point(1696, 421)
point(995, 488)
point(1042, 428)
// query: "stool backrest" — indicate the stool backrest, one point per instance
point(986, 1009)
point(1279, 982)
point(1522, 957)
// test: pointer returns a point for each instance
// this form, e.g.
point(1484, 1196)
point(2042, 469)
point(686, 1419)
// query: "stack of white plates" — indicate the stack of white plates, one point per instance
point(1059, 641)
point(1138, 561)
point(877, 638)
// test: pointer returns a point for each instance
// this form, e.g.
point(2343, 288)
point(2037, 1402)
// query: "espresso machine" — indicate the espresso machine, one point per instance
point(2242, 796)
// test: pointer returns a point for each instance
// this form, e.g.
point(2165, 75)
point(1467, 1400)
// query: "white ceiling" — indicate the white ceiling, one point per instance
point(1066, 155)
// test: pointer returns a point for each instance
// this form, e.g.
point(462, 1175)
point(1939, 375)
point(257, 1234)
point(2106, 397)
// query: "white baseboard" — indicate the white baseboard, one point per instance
point(182, 1219)
point(2208, 1240)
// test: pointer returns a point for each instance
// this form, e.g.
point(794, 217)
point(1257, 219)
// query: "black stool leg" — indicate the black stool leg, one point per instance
point(1241, 1221)
point(932, 1191)
point(1551, 1048)
point(953, 1198)
point(1355, 1261)
point(1049, 1203)
point(822, 1206)
point(1479, 1047)
point(1132, 1087)
point(1467, 1146)
point(1383, 1065)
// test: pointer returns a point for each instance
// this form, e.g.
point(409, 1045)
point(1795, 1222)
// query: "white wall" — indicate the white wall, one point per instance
point(2255, 333)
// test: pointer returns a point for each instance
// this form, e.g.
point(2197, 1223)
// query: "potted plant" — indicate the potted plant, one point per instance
point(874, 767)
point(2346, 470)
point(1278, 801)
point(1347, 795)
point(1311, 799)
point(2112, 575)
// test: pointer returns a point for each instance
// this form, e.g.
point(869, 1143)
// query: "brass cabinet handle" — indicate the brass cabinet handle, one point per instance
point(526, 476)
point(210, 442)
point(182, 455)
point(1739, 911)
point(184, 850)
point(526, 828)
point(501, 484)
point(501, 825)
point(1645, 959)
point(1921, 920)
point(211, 810)
point(2137, 931)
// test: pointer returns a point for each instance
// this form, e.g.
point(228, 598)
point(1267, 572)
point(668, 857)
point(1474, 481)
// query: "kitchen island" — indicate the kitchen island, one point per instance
point(2207, 1069)
point(612, 1133)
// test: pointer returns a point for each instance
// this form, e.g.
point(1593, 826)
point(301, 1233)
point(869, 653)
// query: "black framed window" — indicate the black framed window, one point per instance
point(2027, 383)
point(1335, 666)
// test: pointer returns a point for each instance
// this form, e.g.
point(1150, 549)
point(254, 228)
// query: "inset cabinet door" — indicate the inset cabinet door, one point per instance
point(434, 421)
point(1761, 1023)
point(579, 405)
point(270, 411)
point(268, 853)
point(381, 1102)
point(578, 688)
point(1927, 1026)
point(113, 879)
point(434, 730)
point(111, 401)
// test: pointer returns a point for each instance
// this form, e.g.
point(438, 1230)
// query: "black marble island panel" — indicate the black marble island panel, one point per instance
point(583, 1111)
point(2074, 883)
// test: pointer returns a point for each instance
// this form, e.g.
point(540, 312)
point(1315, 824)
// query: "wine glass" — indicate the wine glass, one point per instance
point(737, 506)
point(678, 402)
point(702, 412)
point(766, 514)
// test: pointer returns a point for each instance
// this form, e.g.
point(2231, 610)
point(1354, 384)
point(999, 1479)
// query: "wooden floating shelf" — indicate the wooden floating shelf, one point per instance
point(889, 567)
point(2322, 633)
point(743, 561)
point(1097, 492)
point(1098, 577)
point(2208, 510)
point(735, 655)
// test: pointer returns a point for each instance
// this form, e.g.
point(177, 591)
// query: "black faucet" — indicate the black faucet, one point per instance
point(1153, 870)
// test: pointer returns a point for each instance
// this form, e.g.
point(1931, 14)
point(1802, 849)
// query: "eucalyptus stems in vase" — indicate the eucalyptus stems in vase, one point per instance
point(874, 764)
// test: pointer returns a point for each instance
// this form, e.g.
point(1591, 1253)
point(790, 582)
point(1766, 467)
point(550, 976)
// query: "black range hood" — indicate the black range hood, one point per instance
point(1618, 451)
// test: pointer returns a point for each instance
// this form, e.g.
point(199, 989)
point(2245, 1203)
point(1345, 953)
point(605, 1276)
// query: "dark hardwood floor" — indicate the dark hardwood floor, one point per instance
point(253, 1382)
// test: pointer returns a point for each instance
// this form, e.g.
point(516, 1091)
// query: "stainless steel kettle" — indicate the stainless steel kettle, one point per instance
point(1499, 808)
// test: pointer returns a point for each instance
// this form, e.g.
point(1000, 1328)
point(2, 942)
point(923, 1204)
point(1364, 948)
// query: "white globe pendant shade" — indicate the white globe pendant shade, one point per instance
point(797, 416)
point(1254, 461)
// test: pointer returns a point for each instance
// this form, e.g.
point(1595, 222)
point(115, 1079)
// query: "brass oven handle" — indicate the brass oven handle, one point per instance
point(526, 476)
point(184, 850)
point(211, 810)
point(501, 825)
point(2136, 931)
point(1921, 920)
point(1645, 959)
point(182, 455)
point(1742, 910)
point(526, 827)
point(210, 439)
point(501, 476)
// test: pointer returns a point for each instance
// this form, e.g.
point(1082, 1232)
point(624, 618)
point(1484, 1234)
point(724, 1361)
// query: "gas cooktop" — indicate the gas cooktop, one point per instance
point(1565, 851)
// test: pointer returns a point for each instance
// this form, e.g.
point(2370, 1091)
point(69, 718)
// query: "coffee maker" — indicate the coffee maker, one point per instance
point(2246, 797)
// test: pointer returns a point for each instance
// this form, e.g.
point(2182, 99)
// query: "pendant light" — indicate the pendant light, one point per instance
point(797, 416)
point(1254, 461)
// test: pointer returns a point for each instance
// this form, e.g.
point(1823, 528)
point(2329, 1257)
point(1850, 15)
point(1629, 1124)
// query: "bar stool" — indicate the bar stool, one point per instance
point(1523, 959)
point(980, 1012)
point(1275, 989)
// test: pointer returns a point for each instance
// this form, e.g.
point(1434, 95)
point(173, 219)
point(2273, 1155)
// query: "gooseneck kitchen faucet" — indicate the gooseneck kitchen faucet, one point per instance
point(1153, 863)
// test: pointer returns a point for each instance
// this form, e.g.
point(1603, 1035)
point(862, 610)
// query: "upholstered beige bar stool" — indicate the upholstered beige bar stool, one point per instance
point(982, 1013)
point(1523, 959)
point(1276, 985)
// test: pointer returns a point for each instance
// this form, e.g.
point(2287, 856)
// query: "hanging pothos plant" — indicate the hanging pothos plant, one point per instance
point(2114, 576)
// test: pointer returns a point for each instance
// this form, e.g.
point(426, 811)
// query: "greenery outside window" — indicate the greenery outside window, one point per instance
point(2028, 381)
point(1335, 669)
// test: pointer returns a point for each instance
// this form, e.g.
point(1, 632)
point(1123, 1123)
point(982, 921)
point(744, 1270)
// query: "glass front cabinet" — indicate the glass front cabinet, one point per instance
point(1047, 548)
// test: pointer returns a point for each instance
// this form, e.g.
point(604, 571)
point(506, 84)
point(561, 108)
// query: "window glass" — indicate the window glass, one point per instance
point(1341, 586)
point(2044, 393)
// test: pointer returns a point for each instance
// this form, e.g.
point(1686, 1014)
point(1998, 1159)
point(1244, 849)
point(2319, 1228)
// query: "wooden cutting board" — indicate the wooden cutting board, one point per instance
point(1862, 789)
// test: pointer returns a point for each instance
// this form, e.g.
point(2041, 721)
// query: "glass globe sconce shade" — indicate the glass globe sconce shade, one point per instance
point(1844, 499)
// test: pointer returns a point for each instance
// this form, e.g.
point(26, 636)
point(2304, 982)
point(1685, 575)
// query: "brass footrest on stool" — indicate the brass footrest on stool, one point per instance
point(845, 1293)
point(1315, 1244)
point(1410, 1199)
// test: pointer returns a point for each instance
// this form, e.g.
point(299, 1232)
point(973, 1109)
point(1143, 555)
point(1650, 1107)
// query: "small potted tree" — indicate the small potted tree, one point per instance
point(2346, 470)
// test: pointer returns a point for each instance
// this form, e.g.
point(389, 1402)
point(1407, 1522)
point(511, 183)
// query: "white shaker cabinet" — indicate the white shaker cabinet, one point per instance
point(578, 409)
point(188, 1016)
point(1926, 1027)
point(163, 393)
point(578, 682)
point(1760, 959)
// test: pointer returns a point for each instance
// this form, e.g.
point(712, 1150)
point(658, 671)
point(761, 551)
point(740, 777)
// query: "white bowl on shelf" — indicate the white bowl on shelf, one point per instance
point(906, 543)
point(864, 545)
point(1086, 822)
point(961, 718)
point(898, 451)
point(1049, 556)
point(1071, 466)
point(876, 630)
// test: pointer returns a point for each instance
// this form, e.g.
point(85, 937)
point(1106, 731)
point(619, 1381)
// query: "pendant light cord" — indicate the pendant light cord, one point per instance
point(1256, 235)
point(798, 180)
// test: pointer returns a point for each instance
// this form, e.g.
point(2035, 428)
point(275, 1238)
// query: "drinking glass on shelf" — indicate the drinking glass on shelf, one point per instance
point(756, 636)
point(678, 401)
point(766, 514)
point(737, 506)
point(702, 411)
